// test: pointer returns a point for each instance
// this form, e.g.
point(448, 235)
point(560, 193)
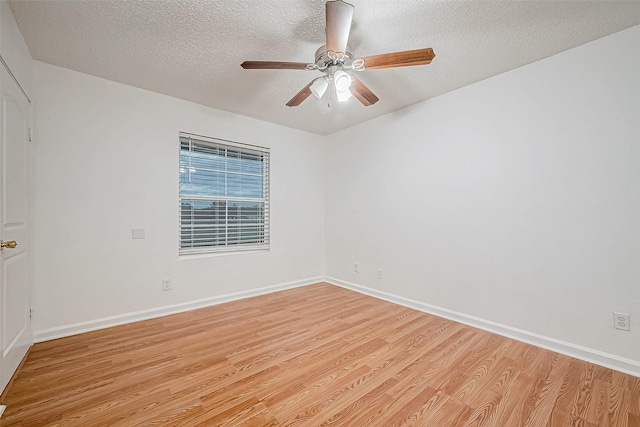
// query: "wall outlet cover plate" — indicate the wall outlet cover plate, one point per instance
point(137, 233)
point(621, 321)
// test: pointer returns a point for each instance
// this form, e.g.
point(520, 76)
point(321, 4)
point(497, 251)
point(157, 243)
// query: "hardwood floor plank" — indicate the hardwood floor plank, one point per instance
point(317, 355)
point(618, 406)
point(431, 408)
point(413, 408)
point(298, 408)
point(547, 389)
point(597, 412)
point(370, 401)
point(584, 391)
point(511, 411)
point(634, 403)
point(488, 382)
point(450, 413)
point(482, 415)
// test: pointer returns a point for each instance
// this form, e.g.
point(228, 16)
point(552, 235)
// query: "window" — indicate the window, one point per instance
point(224, 196)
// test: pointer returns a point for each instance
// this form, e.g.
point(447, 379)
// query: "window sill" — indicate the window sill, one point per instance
point(198, 255)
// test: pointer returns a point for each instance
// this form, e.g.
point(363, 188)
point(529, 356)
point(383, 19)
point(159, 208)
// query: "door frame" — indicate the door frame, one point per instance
point(28, 219)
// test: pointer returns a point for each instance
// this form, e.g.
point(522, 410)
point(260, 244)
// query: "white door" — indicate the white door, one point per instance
point(15, 295)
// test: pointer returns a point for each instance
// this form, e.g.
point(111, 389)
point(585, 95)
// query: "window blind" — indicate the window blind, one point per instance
point(224, 195)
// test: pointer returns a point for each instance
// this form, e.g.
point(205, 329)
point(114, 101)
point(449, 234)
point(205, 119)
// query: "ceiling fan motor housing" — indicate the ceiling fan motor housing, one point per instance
point(323, 58)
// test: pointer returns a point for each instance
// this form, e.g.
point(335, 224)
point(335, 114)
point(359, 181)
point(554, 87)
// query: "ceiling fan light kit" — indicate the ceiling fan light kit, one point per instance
point(342, 81)
point(344, 95)
point(335, 58)
point(319, 87)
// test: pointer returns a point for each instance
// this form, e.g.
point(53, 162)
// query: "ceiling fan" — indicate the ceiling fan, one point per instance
point(335, 58)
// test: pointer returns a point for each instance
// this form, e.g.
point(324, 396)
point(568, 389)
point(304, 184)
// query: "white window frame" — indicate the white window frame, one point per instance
point(229, 246)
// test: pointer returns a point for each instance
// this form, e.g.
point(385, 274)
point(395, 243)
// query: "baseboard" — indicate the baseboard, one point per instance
point(608, 360)
point(597, 357)
point(108, 322)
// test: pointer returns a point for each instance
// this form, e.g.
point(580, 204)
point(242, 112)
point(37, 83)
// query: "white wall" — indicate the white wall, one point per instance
point(515, 200)
point(107, 161)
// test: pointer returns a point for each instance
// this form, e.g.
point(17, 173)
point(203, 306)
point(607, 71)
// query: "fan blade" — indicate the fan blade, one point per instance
point(399, 59)
point(300, 96)
point(363, 93)
point(273, 65)
point(339, 17)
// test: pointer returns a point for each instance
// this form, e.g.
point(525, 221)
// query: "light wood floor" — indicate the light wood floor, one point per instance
point(313, 356)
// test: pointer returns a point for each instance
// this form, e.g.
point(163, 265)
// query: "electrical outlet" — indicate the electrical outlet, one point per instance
point(166, 284)
point(137, 233)
point(621, 321)
point(379, 274)
point(356, 267)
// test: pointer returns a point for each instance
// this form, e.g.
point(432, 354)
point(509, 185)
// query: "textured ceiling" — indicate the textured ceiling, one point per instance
point(192, 49)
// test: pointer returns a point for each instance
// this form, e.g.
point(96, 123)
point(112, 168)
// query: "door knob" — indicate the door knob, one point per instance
point(11, 244)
